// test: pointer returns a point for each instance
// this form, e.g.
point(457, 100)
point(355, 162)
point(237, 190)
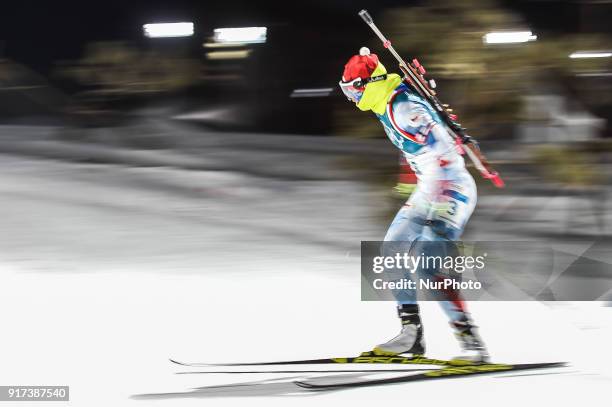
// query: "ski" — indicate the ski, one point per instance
point(364, 358)
point(443, 373)
point(414, 369)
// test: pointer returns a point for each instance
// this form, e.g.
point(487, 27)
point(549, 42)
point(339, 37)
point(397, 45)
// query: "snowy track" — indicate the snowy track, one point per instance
point(107, 271)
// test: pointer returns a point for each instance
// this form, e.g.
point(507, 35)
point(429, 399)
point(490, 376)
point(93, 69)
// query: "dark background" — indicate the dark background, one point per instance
point(38, 33)
point(308, 43)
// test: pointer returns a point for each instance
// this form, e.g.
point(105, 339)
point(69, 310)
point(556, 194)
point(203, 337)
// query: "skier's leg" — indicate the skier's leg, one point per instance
point(404, 230)
point(435, 244)
point(447, 224)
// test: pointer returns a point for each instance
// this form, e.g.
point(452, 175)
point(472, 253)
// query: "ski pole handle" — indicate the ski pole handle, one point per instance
point(366, 17)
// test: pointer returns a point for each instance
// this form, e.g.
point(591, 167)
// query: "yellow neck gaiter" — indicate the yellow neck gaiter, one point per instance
point(377, 94)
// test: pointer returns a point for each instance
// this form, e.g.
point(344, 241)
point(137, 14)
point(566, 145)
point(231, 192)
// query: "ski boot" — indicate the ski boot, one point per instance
point(473, 348)
point(410, 340)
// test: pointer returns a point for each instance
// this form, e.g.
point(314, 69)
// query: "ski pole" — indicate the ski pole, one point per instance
point(414, 75)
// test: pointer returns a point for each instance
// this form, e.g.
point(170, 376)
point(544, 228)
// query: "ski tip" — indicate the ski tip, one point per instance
point(177, 362)
point(204, 364)
point(306, 385)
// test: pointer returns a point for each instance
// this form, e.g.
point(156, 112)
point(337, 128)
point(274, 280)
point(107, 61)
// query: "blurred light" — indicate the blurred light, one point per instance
point(509, 37)
point(245, 35)
point(214, 114)
point(588, 74)
point(590, 54)
point(222, 45)
point(311, 93)
point(215, 55)
point(161, 30)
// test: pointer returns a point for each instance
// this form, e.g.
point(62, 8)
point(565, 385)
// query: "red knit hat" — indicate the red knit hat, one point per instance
point(360, 66)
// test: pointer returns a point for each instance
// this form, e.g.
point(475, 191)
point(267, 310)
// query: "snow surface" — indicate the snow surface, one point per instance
point(108, 271)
